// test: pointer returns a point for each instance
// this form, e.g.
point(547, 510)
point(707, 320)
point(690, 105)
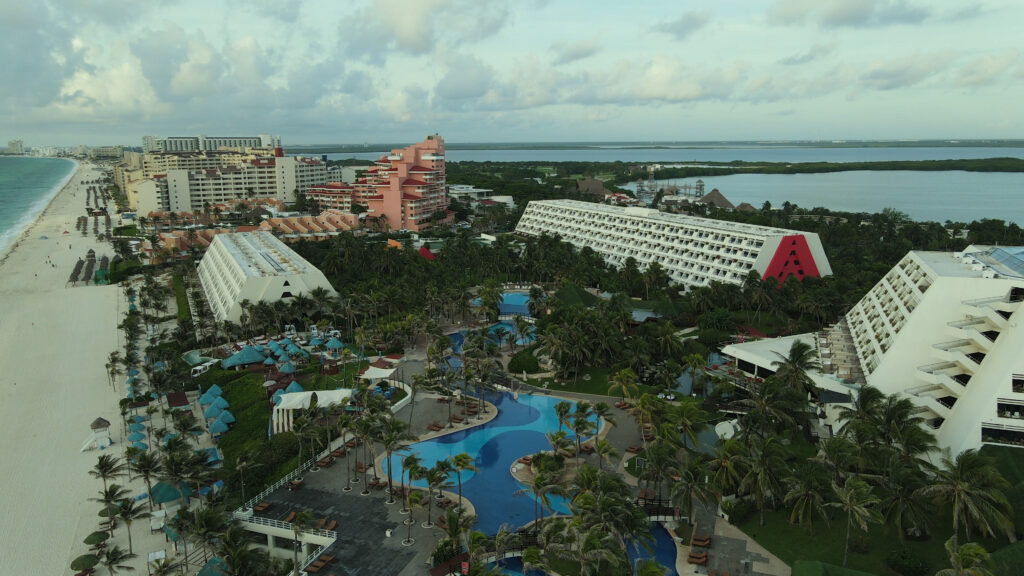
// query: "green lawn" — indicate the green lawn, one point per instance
point(1009, 460)
point(791, 543)
point(596, 384)
point(181, 299)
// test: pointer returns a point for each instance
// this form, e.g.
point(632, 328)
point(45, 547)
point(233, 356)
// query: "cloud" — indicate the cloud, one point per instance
point(466, 77)
point(578, 50)
point(904, 72)
point(988, 69)
point(38, 52)
point(684, 26)
point(846, 13)
point(815, 52)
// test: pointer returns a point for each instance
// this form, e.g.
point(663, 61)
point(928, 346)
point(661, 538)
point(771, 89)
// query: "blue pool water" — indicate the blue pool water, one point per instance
point(458, 338)
point(518, 430)
point(512, 304)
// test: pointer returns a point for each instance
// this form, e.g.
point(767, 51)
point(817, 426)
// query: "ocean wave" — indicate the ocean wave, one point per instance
point(10, 235)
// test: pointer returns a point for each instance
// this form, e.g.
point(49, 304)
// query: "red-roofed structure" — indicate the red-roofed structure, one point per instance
point(395, 200)
point(426, 253)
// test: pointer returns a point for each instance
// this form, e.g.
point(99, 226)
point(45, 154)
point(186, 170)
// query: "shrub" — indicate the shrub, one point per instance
point(738, 511)
point(906, 563)
point(523, 361)
point(860, 544)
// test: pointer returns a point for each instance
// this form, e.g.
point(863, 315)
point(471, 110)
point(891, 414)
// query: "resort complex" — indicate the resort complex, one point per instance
point(692, 251)
point(254, 266)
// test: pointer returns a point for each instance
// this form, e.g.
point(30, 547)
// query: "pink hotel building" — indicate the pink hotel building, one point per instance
point(404, 189)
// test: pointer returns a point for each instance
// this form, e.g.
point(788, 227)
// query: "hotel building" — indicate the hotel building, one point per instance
point(406, 188)
point(253, 266)
point(692, 251)
point(203, 143)
point(941, 330)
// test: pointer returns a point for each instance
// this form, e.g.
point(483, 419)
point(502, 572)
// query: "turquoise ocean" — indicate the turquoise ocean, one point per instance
point(26, 186)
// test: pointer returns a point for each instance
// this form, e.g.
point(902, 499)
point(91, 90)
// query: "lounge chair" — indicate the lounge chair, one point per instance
point(331, 525)
point(635, 449)
point(339, 452)
point(262, 507)
point(457, 419)
point(294, 484)
point(291, 516)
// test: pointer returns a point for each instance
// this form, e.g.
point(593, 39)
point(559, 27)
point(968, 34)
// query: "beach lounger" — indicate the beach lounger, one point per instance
point(443, 399)
point(635, 449)
point(360, 467)
point(331, 525)
point(291, 516)
point(526, 460)
point(339, 452)
point(294, 484)
point(457, 419)
point(352, 443)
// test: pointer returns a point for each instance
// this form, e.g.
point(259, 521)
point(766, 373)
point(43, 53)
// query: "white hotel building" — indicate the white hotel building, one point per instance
point(253, 266)
point(942, 330)
point(693, 251)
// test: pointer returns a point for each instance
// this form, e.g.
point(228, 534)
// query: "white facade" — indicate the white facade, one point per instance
point(941, 329)
point(15, 147)
point(203, 143)
point(253, 266)
point(693, 251)
point(190, 190)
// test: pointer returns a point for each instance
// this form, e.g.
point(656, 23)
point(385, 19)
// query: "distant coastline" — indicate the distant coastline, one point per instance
point(668, 145)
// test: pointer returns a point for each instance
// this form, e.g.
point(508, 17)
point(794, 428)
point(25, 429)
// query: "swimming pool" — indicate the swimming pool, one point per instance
point(457, 339)
point(516, 431)
point(512, 304)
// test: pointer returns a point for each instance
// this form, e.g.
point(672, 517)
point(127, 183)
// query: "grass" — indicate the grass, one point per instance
point(792, 543)
point(1008, 461)
point(596, 384)
point(126, 231)
point(572, 295)
point(1007, 561)
point(181, 299)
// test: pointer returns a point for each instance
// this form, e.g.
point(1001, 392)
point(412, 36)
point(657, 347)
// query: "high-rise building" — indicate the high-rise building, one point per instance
point(15, 147)
point(203, 143)
point(940, 329)
point(692, 251)
point(405, 189)
point(254, 266)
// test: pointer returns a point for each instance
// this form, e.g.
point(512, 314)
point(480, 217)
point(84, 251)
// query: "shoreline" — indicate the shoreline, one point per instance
point(54, 341)
point(26, 230)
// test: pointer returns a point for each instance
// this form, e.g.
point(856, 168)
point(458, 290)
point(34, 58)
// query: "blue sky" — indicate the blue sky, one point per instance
point(108, 72)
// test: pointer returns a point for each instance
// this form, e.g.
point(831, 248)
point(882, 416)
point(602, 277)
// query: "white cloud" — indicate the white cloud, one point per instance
point(566, 52)
point(988, 69)
point(686, 25)
point(905, 72)
point(847, 13)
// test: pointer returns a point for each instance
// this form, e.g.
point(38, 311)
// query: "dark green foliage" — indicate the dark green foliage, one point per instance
point(523, 361)
point(739, 511)
point(905, 562)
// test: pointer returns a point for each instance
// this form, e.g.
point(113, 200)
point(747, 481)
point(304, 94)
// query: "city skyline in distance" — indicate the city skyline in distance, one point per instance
point(500, 71)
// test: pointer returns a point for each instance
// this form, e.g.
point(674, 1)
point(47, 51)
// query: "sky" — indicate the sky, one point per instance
point(110, 71)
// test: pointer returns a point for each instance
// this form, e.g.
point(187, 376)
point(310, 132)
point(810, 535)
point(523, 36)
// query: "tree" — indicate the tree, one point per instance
point(393, 434)
point(302, 522)
point(148, 465)
point(605, 452)
point(648, 567)
point(413, 502)
point(462, 462)
point(128, 512)
point(855, 499)
point(972, 487)
point(804, 494)
point(115, 559)
point(969, 559)
point(792, 369)
point(562, 410)
point(764, 465)
point(693, 485)
point(107, 466)
point(244, 462)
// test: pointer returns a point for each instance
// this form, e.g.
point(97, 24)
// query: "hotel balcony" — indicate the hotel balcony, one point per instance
point(950, 375)
point(977, 329)
point(963, 351)
point(998, 309)
point(930, 404)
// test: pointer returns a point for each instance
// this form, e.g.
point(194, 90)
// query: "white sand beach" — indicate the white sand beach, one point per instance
point(54, 342)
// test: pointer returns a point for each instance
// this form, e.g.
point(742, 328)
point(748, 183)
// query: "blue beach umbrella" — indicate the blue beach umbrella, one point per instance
point(138, 418)
point(136, 427)
point(136, 436)
point(218, 427)
point(212, 412)
point(276, 398)
point(269, 362)
point(133, 372)
point(293, 387)
point(220, 402)
point(285, 341)
point(226, 417)
point(287, 368)
point(293, 349)
point(140, 445)
point(215, 390)
point(316, 342)
point(168, 437)
point(207, 399)
point(335, 344)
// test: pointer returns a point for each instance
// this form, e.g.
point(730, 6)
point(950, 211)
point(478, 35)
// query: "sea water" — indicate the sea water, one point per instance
point(26, 186)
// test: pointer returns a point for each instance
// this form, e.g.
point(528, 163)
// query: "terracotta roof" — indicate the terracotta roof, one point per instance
point(411, 182)
point(421, 169)
point(99, 424)
point(745, 207)
point(177, 399)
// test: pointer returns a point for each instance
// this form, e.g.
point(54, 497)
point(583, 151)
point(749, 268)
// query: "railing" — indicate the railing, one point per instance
point(285, 526)
point(312, 557)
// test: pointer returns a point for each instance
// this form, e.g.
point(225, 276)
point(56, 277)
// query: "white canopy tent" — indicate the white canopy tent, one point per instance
point(374, 373)
point(284, 413)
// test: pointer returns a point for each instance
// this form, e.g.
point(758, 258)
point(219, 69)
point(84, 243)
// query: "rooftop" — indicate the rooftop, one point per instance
point(678, 219)
point(262, 254)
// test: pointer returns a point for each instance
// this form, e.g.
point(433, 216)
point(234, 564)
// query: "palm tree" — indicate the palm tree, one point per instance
point(855, 499)
point(648, 567)
point(792, 368)
point(393, 434)
point(764, 465)
point(969, 559)
point(129, 512)
point(693, 485)
point(115, 559)
point(303, 520)
point(903, 504)
point(804, 494)
point(533, 560)
point(110, 497)
point(605, 452)
point(462, 462)
point(624, 383)
point(107, 466)
point(727, 466)
point(244, 462)
point(695, 363)
point(437, 478)
point(410, 464)
point(581, 426)
point(148, 465)
point(972, 486)
point(413, 502)
point(164, 567)
point(562, 410)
